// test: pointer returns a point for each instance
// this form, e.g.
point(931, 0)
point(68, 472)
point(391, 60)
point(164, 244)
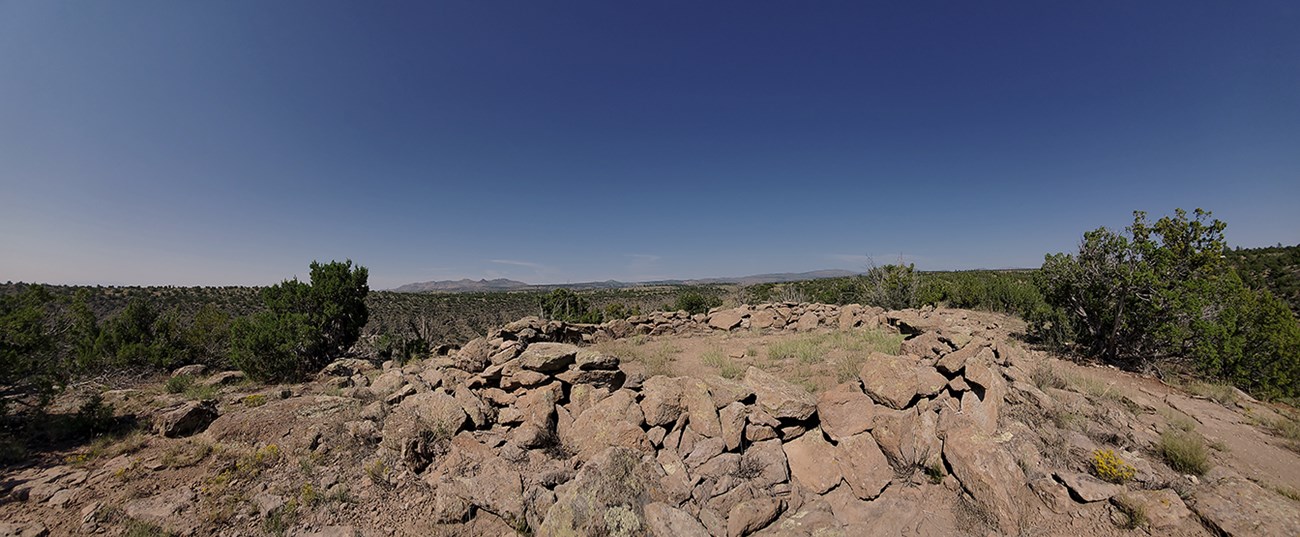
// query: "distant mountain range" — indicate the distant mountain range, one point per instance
point(502, 284)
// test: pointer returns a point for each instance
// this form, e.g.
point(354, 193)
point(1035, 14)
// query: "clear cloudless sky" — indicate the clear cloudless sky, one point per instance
point(233, 142)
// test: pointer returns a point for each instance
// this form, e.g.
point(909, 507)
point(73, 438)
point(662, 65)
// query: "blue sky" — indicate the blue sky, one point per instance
point(233, 142)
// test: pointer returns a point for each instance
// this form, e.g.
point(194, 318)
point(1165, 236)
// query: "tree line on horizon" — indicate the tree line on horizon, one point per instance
point(1165, 296)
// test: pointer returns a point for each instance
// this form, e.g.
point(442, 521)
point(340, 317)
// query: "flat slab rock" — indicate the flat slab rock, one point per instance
point(780, 398)
point(1089, 488)
point(1237, 507)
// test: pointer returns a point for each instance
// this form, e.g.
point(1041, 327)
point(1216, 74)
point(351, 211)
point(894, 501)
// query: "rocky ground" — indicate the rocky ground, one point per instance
point(783, 419)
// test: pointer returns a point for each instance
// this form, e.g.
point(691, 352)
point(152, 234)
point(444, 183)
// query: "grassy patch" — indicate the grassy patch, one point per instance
point(1135, 515)
point(254, 400)
point(1184, 451)
point(1044, 376)
point(1289, 492)
point(1223, 394)
point(137, 528)
point(656, 357)
point(190, 387)
point(186, 454)
point(727, 367)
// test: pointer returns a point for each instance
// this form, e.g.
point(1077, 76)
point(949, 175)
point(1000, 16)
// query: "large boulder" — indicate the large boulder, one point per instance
point(750, 516)
point(187, 419)
point(661, 400)
point(614, 421)
point(663, 520)
point(845, 411)
point(699, 404)
point(812, 463)
point(416, 427)
point(863, 466)
point(548, 357)
point(727, 319)
point(989, 473)
point(778, 397)
point(608, 496)
point(895, 380)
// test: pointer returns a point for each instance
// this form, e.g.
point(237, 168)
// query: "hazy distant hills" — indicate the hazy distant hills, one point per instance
point(502, 284)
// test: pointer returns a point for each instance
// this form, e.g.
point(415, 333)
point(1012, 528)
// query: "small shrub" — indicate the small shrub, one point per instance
point(935, 471)
point(1135, 515)
point(1184, 451)
point(1110, 467)
point(1288, 492)
point(254, 400)
point(179, 383)
point(378, 471)
point(1045, 376)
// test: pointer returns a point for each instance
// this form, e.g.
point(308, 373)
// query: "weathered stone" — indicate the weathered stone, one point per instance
point(187, 419)
point(474, 356)
point(665, 521)
point(750, 516)
point(759, 433)
point(895, 380)
point(661, 400)
point(732, 419)
point(548, 357)
point(953, 362)
point(770, 458)
point(1088, 488)
point(699, 404)
point(989, 473)
point(588, 360)
point(387, 383)
point(778, 397)
point(704, 450)
point(225, 378)
point(607, 497)
point(863, 466)
point(727, 391)
point(845, 411)
point(193, 370)
point(30, 529)
point(1163, 508)
point(1237, 507)
point(812, 462)
point(434, 413)
point(927, 346)
point(727, 319)
point(614, 421)
point(808, 322)
point(762, 319)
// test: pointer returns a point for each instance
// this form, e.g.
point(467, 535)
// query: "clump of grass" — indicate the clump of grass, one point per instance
point(1093, 386)
point(179, 383)
point(805, 349)
point(1223, 394)
point(727, 368)
point(378, 471)
point(1110, 467)
point(935, 471)
point(1184, 451)
point(1135, 514)
point(1045, 376)
point(187, 454)
point(657, 358)
point(1289, 492)
point(138, 528)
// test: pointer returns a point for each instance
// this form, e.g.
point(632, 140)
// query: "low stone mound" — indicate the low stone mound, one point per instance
point(528, 430)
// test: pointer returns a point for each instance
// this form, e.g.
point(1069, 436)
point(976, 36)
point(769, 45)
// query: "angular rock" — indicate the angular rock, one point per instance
point(607, 497)
point(953, 362)
point(770, 459)
point(750, 516)
point(927, 346)
point(225, 378)
point(895, 380)
point(614, 421)
point(1088, 488)
point(989, 473)
point(194, 370)
point(548, 357)
point(1163, 508)
point(699, 404)
point(812, 462)
point(863, 466)
point(778, 397)
point(661, 400)
point(762, 319)
point(1237, 507)
point(732, 419)
point(727, 319)
point(588, 360)
point(727, 391)
point(845, 411)
point(665, 521)
point(190, 418)
point(808, 322)
point(473, 357)
point(429, 413)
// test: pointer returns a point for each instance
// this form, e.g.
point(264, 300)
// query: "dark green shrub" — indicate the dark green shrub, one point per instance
point(893, 287)
point(28, 364)
point(694, 302)
point(305, 326)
